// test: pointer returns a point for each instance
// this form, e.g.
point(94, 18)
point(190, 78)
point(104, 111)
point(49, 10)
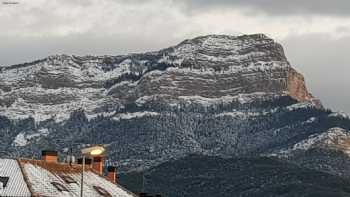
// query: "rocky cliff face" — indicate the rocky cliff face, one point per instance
point(212, 67)
point(296, 86)
point(212, 95)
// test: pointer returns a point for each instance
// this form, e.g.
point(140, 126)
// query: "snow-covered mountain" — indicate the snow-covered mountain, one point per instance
point(215, 95)
point(205, 69)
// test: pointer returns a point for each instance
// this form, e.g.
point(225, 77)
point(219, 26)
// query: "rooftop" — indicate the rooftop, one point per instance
point(40, 178)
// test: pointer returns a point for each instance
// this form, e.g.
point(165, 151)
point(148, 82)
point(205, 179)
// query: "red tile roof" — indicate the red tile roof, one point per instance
point(40, 178)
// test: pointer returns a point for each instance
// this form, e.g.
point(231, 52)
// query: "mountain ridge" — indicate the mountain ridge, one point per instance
point(224, 61)
point(221, 96)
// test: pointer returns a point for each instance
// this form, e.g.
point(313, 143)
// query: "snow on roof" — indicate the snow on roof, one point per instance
point(39, 178)
point(16, 185)
point(41, 175)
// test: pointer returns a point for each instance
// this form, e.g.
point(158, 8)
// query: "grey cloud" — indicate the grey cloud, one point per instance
point(343, 29)
point(276, 7)
point(20, 50)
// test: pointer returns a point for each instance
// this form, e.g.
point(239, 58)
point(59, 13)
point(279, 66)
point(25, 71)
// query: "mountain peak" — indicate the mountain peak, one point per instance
point(60, 57)
point(226, 50)
point(226, 37)
point(214, 67)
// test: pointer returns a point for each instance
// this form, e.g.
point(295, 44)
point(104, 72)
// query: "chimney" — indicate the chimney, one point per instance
point(111, 174)
point(97, 164)
point(49, 156)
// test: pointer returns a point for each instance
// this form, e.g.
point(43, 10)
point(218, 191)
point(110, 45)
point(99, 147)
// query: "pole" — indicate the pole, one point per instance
point(143, 181)
point(82, 178)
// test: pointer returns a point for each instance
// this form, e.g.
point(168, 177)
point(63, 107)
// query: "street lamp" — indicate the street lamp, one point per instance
point(90, 151)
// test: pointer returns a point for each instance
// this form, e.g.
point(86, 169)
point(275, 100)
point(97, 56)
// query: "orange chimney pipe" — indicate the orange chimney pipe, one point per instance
point(49, 156)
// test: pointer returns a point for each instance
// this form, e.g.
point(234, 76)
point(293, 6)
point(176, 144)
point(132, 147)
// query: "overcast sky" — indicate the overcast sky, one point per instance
point(314, 33)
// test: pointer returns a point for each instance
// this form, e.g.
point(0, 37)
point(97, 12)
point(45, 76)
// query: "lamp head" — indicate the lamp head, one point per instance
point(96, 152)
point(93, 151)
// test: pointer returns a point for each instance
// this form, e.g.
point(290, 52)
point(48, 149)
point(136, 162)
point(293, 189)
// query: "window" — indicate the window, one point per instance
point(102, 191)
point(59, 186)
point(4, 181)
point(68, 179)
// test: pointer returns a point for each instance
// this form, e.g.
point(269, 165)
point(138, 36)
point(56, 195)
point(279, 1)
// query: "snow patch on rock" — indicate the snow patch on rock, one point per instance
point(22, 138)
point(241, 98)
point(302, 105)
point(340, 115)
point(126, 116)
